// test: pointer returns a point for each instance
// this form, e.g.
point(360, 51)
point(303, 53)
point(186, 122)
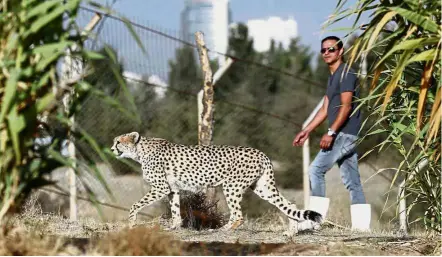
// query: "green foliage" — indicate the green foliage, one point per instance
point(404, 100)
point(35, 36)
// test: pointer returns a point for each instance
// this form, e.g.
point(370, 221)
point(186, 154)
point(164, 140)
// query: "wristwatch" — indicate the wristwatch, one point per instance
point(331, 132)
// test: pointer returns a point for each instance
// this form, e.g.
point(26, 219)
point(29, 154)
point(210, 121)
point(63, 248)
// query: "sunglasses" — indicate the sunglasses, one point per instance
point(329, 49)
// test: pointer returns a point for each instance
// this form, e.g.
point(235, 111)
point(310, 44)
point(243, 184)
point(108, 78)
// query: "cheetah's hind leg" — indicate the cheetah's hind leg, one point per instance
point(233, 196)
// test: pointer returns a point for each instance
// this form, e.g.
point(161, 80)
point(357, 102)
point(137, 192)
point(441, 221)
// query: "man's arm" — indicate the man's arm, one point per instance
point(319, 117)
point(317, 120)
point(344, 111)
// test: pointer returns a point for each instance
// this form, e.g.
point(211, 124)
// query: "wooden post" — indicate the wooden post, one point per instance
point(205, 127)
point(74, 72)
point(218, 74)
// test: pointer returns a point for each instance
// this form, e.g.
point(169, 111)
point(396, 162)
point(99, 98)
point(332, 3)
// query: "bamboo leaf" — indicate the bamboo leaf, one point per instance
point(91, 55)
point(50, 53)
point(395, 78)
point(49, 49)
point(3, 140)
point(428, 55)
point(436, 104)
point(44, 101)
point(410, 44)
point(377, 173)
point(379, 26)
point(377, 131)
point(46, 19)
point(9, 95)
point(376, 76)
point(134, 35)
point(354, 52)
point(126, 22)
point(412, 4)
point(435, 125)
point(16, 123)
point(416, 18)
point(41, 9)
point(426, 76)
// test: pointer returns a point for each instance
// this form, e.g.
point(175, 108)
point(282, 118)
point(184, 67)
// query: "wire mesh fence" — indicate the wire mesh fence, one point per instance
point(256, 104)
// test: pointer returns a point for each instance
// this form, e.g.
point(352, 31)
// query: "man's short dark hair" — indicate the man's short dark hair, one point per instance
point(340, 44)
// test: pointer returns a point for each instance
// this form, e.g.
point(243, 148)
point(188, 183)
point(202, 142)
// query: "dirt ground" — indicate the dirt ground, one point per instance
point(46, 215)
point(255, 237)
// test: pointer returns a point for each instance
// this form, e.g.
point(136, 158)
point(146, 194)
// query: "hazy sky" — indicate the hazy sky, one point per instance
point(278, 19)
point(308, 14)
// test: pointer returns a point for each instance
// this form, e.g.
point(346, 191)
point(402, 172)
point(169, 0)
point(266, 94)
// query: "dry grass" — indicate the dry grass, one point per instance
point(137, 241)
point(18, 241)
point(334, 249)
point(256, 237)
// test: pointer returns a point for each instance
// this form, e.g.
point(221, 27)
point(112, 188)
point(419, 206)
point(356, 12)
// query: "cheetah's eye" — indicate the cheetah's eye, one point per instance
point(118, 150)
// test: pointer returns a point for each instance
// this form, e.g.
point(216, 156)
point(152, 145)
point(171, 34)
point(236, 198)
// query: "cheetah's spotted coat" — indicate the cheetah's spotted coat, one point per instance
point(170, 167)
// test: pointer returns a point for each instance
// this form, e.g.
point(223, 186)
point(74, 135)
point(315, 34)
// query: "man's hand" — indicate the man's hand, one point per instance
point(326, 142)
point(300, 138)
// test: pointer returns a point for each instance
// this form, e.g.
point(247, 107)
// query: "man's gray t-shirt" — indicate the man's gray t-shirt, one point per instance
point(342, 81)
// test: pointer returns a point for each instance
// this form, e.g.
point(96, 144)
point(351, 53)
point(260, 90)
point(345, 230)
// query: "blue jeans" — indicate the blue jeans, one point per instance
point(343, 153)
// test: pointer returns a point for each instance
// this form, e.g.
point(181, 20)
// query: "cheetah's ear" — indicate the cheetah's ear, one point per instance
point(135, 136)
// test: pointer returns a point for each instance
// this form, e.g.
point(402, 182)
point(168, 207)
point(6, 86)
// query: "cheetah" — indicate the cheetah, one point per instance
point(170, 167)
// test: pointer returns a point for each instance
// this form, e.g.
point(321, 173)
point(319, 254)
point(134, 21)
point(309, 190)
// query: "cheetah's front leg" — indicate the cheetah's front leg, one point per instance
point(175, 209)
point(155, 194)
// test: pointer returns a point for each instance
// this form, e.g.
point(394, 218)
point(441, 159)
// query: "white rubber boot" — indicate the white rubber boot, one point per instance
point(360, 217)
point(317, 204)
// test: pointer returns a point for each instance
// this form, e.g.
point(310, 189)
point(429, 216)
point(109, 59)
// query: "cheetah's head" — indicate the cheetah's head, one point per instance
point(125, 146)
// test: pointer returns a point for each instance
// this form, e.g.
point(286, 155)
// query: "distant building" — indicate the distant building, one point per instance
point(212, 17)
point(160, 86)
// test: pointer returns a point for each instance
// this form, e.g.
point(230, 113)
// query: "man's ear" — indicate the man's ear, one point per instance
point(135, 136)
point(341, 52)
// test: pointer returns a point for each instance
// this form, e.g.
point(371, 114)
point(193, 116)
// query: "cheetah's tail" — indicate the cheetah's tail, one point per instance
point(309, 215)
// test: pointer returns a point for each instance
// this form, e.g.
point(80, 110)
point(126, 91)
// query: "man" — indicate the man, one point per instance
point(338, 144)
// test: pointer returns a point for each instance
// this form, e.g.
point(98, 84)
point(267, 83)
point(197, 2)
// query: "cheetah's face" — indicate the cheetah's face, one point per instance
point(125, 146)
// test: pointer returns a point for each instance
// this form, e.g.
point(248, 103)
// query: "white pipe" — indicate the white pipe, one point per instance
point(306, 156)
point(305, 177)
point(199, 100)
point(402, 200)
point(72, 180)
point(313, 113)
point(402, 208)
point(221, 71)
